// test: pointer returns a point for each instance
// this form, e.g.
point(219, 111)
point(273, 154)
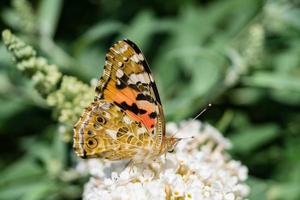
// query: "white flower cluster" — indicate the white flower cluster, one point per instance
point(198, 169)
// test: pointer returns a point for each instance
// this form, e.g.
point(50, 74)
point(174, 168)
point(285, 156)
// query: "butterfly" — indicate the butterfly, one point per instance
point(126, 119)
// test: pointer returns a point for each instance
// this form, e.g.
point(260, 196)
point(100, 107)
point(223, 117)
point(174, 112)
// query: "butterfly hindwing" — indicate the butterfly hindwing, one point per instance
point(105, 131)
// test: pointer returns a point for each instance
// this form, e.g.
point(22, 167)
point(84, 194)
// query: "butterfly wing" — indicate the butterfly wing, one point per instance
point(127, 81)
point(106, 131)
point(128, 86)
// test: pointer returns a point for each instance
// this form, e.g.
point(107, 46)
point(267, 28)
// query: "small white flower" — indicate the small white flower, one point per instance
point(198, 169)
point(229, 196)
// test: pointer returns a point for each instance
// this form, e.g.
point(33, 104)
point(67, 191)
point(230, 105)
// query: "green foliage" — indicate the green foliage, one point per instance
point(241, 56)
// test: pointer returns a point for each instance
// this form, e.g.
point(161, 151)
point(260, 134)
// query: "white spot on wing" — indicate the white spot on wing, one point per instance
point(119, 73)
point(141, 130)
point(120, 64)
point(126, 120)
point(135, 58)
point(133, 78)
point(118, 82)
point(111, 133)
point(114, 50)
point(151, 78)
point(142, 77)
point(105, 106)
point(107, 63)
point(124, 48)
point(140, 56)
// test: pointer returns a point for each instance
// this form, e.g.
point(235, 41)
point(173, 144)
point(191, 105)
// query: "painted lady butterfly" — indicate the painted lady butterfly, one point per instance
point(125, 120)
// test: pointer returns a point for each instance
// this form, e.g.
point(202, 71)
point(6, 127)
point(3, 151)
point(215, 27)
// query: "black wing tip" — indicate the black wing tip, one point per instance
point(127, 40)
point(144, 63)
point(133, 45)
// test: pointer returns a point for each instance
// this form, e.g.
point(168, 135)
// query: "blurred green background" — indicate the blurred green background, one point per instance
point(241, 56)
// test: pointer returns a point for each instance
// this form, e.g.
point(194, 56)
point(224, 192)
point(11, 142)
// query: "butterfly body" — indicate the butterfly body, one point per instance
point(125, 120)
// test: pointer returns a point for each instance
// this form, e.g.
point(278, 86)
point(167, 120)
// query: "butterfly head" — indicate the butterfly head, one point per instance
point(170, 143)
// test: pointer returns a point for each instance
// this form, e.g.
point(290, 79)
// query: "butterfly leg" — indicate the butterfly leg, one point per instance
point(155, 167)
point(164, 164)
point(130, 165)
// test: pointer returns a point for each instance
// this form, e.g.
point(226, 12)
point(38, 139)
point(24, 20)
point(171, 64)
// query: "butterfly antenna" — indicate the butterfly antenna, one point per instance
point(198, 115)
point(208, 106)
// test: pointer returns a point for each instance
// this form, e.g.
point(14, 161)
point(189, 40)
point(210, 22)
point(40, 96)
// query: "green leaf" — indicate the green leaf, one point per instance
point(258, 188)
point(273, 81)
point(248, 139)
point(246, 96)
point(9, 107)
point(10, 17)
point(21, 170)
point(141, 28)
point(284, 191)
point(203, 68)
point(30, 189)
point(4, 56)
point(48, 15)
point(96, 32)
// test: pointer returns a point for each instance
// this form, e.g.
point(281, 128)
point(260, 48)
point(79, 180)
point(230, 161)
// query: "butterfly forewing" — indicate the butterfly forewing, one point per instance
point(127, 81)
point(127, 95)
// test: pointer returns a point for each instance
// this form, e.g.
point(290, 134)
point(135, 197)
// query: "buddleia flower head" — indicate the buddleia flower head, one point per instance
point(199, 168)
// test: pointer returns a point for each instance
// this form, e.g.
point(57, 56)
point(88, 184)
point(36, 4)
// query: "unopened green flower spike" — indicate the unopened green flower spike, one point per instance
point(67, 95)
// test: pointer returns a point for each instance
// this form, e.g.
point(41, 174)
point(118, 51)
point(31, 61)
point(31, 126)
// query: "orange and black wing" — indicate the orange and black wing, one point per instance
point(126, 117)
point(127, 81)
